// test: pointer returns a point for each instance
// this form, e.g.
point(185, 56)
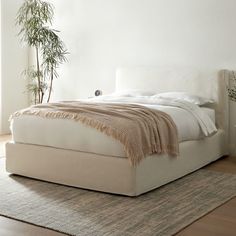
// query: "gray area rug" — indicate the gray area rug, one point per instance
point(74, 211)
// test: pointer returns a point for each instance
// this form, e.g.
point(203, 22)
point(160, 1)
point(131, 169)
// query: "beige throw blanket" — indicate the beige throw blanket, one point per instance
point(142, 131)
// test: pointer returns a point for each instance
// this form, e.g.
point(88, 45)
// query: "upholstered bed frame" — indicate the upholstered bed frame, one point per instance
point(115, 174)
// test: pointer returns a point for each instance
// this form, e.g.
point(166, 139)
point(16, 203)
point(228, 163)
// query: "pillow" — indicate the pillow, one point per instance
point(133, 93)
point(197, 100)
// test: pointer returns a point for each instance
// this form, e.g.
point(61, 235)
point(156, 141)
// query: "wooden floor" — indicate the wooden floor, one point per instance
point(220, 222)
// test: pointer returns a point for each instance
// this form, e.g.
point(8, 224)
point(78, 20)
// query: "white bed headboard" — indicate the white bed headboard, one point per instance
point(208, 83)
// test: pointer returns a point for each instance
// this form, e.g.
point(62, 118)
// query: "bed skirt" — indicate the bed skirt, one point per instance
point(109, 173)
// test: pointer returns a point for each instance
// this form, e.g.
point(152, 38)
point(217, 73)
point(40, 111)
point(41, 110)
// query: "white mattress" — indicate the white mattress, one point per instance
point(68, 134)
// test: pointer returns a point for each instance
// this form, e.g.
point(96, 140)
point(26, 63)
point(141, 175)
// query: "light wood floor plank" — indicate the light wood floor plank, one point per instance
point(9, 227)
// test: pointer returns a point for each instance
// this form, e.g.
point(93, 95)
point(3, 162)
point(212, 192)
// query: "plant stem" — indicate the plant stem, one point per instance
point(38, 75)
point(35, 98)
point(42, 95)
point(50, 87)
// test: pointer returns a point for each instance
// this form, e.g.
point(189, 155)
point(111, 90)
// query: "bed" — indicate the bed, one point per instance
point(93, 161)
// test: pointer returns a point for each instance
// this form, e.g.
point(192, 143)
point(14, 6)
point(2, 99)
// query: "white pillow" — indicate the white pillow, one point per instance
point(133, 93)
point(197, 100)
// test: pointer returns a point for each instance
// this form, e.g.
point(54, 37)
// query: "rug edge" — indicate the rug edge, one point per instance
point(204, 214)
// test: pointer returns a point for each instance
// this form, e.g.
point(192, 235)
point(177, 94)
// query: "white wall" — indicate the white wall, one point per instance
point(0, 66)
point(14, 60)
point(104, 34)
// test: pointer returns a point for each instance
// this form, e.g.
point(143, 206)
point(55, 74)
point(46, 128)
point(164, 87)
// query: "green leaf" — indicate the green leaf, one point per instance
point(34, 19)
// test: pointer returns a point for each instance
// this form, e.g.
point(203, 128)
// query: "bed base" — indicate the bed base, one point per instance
point(108, 173)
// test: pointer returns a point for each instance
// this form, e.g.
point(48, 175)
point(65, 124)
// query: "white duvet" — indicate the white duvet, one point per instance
point(206, 124)
point(192, 123)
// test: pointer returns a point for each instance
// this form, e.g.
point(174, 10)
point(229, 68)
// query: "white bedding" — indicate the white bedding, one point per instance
point(68, 134)
point(204, 121)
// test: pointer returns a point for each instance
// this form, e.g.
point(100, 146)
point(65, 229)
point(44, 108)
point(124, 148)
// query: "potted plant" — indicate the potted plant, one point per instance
point(35, 20)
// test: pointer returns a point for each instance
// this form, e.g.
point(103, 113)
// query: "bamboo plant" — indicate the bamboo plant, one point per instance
point(35, 20)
